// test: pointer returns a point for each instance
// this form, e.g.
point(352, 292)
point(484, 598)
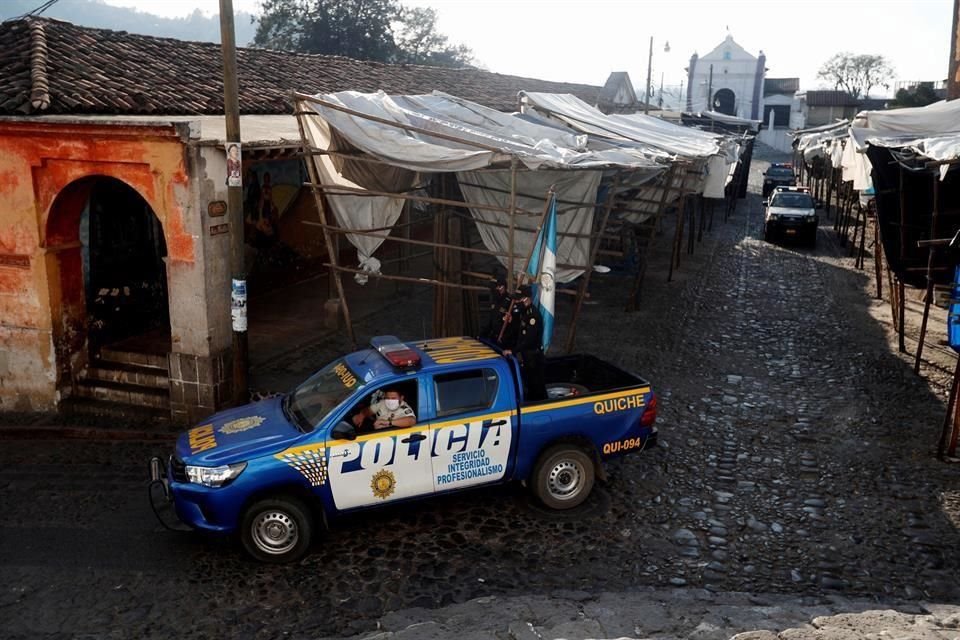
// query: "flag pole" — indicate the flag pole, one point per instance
point(536, 235)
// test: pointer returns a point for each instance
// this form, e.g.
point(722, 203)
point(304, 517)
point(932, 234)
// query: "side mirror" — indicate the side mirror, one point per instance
point(766, 202)
point(344, 431)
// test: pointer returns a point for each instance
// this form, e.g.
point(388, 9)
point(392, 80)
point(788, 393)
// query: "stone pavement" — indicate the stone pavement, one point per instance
point(670, 614)
point(796, 479)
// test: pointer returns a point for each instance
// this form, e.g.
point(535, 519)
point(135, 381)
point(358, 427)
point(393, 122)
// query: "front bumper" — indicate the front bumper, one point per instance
point(184, 505)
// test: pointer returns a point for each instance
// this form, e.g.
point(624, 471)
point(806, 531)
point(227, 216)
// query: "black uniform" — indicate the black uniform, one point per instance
point(499, 307)
point(529, 349)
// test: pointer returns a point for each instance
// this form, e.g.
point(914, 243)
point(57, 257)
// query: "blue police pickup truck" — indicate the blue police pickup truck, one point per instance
point(272, 470)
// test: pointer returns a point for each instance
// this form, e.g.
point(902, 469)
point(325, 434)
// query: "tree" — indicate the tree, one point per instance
point(380, 30)
point(918, 96)
point(856, 74)
point(419, 42)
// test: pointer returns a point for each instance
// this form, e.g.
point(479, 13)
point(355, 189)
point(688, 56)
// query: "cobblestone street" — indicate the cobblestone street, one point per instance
point(797, 461)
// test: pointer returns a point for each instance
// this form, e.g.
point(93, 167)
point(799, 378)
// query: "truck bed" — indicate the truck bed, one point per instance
point(586, 375)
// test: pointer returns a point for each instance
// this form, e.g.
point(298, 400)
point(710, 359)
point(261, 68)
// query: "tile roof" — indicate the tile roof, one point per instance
point(830, 99)
point(55, 67)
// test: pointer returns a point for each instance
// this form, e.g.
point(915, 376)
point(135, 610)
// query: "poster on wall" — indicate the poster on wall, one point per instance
point(269, 190)
point(234, 164)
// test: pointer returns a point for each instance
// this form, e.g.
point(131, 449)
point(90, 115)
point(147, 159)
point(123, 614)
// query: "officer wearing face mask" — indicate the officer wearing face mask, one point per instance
point(392, 411)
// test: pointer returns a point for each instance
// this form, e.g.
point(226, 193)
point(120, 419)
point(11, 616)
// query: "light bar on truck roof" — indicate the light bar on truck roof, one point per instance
point(395, 352)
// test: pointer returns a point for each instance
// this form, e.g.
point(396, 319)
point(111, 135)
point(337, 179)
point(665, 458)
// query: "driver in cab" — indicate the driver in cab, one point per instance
point(389, 412)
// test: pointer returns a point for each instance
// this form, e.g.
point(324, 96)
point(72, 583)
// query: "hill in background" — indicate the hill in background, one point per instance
point(93, 13)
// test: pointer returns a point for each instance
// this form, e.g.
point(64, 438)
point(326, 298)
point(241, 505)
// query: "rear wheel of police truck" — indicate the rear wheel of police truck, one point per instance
point(563, 477)
point(277, 530)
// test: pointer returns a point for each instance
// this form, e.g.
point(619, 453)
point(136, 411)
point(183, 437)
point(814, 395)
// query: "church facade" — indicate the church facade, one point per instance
point(727, 80)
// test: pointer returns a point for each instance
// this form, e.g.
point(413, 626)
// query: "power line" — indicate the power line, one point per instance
point(38, 10)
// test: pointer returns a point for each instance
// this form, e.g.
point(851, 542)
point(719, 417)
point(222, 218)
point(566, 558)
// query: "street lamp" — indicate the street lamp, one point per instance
point(646, 101)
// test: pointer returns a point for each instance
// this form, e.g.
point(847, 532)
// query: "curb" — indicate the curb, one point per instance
point(82, 433)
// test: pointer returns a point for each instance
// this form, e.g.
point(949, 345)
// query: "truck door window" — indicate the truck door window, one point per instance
point(465, 391)
point(364, 414)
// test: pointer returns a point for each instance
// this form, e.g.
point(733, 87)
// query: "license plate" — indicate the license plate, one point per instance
point(791, 232)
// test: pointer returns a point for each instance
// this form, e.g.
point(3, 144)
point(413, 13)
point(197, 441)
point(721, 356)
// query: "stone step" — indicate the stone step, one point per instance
point(119, 392)
point(117, 416)
point(130, 374)
point(152, 360)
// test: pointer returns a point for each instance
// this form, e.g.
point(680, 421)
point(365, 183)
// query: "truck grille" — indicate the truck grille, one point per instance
point(178, 469)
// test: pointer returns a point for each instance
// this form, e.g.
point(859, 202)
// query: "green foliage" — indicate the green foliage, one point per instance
point(380, 30)
point(92, 13)
point(856, 74)
point(919, 96)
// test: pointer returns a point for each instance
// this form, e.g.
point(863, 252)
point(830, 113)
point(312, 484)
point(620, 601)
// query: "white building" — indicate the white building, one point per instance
point(728, 80)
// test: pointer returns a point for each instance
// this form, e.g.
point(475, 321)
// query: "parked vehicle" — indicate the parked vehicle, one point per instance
point(271, 471)
point(778, 174)
point(791, 213)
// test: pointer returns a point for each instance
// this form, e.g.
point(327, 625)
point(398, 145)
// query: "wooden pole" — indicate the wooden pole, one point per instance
point(335, 189)
point(928, 298)
point(677, 236)
point(327, 239)
point(231, 108)
point(513, 212)
point(645, 257)
point(949, 429)
point(571, 336)
point(902, 308)
point(877, 253)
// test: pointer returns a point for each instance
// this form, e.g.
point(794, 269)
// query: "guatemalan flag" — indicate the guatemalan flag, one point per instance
point(542, 267)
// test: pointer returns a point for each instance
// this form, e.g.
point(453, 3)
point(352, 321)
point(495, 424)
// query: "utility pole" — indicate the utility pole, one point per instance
point(710, 91)
point(953, 77)
point(646, 100)
point(660, 100)
point(231, 110)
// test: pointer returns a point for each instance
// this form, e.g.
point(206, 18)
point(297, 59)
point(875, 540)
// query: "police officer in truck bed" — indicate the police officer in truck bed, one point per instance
point(528, 346)
point(499, 306)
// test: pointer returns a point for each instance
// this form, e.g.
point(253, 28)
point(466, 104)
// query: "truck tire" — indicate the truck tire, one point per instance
point(563, 477)
point(277, 530)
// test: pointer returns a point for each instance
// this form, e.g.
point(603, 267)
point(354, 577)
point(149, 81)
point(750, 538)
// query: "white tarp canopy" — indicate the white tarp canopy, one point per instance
point(674, 139)
point(713, 152)
point(475, 137)
point(484, 137)
point(939, 117)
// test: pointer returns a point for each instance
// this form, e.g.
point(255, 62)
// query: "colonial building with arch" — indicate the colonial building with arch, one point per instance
point(114, 247)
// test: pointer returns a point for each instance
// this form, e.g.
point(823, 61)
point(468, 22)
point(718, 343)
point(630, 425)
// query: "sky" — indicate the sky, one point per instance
point(584, 40)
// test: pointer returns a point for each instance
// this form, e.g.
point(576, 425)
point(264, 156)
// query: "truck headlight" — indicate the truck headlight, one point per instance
point(215, 476)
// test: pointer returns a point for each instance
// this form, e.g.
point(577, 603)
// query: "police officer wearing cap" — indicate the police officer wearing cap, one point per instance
point(499, 306)
point(529, 346)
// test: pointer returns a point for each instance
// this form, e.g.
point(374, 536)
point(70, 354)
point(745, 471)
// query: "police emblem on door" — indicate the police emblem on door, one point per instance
point(383, 484)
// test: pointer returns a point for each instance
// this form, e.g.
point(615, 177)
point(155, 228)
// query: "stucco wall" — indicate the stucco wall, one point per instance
point(737, 73)
point(43, 167)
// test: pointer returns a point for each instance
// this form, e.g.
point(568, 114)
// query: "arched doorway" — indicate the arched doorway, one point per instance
point(725, 101)
point(108, 251)
point(124, 272)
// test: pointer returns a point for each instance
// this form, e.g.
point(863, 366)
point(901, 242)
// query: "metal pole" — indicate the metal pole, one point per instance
point(710, 92)
point(646, 91)
point(231, 109)
point(953, 75)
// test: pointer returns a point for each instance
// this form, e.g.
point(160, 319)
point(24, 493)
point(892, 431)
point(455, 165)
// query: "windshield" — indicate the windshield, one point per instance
point(309, 403)
point(780, 172)
point(792, 200)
